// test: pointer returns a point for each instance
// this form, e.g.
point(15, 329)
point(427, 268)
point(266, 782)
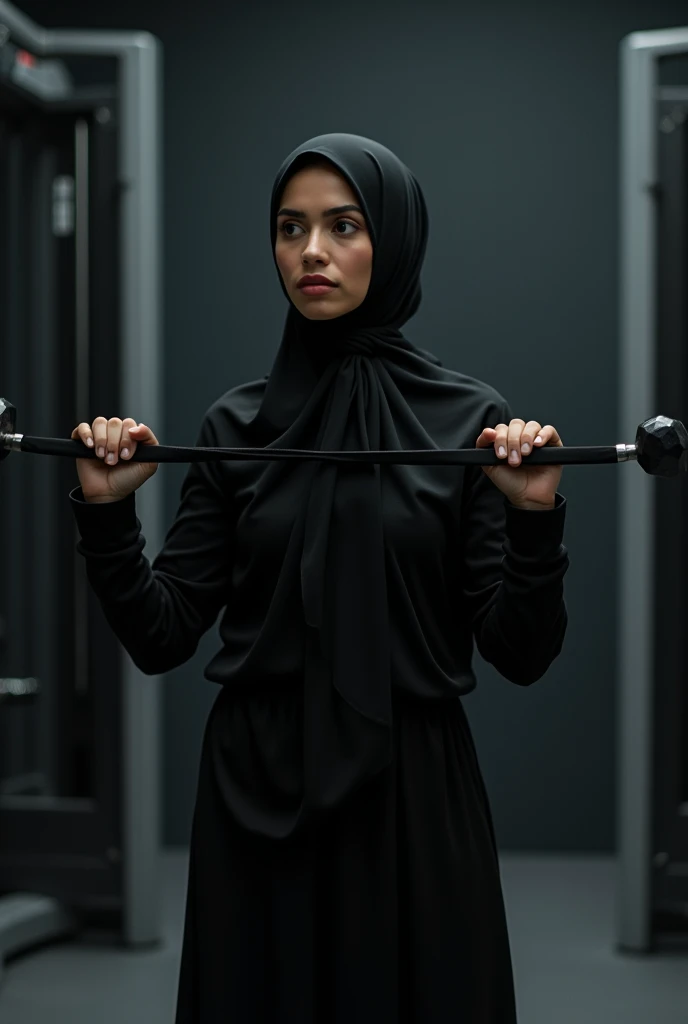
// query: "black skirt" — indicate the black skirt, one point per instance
point(389, 909)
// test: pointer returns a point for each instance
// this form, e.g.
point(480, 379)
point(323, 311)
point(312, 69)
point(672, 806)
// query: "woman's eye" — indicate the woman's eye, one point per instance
point(290, 224)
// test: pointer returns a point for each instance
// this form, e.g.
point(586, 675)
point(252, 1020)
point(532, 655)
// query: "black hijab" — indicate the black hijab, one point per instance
point(350, 384)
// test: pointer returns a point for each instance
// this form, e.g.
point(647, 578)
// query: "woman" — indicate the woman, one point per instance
point(343, 862)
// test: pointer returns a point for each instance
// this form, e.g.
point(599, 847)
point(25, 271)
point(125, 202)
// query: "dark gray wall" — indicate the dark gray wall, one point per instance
point(508, 115)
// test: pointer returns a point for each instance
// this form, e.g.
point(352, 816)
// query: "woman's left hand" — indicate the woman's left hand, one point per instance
point(530, 487)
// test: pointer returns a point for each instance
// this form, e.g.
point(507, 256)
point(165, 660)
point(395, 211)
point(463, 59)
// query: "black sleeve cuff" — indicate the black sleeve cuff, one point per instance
point(107, 524)
point(536, 531)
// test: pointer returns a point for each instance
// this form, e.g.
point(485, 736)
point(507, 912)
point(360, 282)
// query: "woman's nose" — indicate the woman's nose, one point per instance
point(314, 243)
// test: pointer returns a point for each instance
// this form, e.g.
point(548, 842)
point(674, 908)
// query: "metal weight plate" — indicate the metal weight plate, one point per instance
point(8, 419)
point(662, 444)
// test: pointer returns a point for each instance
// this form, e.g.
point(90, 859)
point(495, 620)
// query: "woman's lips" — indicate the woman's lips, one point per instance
point(317, 289)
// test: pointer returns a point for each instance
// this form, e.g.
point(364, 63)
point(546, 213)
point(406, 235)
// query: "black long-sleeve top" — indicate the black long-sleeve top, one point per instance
point(464, 566)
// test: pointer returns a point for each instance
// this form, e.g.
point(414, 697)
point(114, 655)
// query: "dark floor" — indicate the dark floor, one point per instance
point(561, 916)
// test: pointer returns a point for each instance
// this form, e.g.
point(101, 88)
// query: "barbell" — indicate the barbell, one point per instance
point(660, 448)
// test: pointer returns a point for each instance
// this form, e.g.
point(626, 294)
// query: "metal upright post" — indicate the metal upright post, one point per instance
point(639, 54)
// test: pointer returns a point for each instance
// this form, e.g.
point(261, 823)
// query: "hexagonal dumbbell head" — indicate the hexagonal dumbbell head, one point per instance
point(8, 419)
point(661, 445)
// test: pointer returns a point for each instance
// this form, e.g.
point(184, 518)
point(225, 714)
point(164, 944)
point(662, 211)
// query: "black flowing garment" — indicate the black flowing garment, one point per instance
point(343, 860)
point(350, 383)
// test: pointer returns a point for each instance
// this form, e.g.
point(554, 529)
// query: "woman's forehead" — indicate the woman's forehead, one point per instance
point(318, 192)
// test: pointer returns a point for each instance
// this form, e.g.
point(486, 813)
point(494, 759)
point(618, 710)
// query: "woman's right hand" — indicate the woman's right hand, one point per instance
point(111, 476)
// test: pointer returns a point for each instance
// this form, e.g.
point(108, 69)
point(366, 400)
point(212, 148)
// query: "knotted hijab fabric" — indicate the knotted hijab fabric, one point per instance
point(342, 382)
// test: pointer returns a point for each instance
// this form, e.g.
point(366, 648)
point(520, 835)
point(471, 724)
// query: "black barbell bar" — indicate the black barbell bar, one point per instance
point(660, 449)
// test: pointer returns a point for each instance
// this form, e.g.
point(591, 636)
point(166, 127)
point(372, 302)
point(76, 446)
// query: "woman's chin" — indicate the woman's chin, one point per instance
point(325, 307)
point(319, 310)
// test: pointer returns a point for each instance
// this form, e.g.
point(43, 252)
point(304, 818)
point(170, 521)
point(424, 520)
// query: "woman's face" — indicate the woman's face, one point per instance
point(315, 237)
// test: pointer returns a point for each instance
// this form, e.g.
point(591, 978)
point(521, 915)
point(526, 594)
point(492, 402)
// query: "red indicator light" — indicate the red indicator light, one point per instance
point(27, 59)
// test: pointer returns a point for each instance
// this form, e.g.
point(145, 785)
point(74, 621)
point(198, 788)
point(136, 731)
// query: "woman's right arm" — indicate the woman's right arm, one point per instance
point(159, 611)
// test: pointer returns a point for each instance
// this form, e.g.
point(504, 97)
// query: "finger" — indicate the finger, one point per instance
point(114, 436)
point(550, 436)
point(530, 432)
point(486, 438)
point(128, 441)
point(144, 435)
point(500, 439)
point(514, 441)
point(83, 433)
point(100, 435)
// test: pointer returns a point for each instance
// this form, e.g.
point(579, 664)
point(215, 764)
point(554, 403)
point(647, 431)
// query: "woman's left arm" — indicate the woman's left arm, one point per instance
point(513, 557)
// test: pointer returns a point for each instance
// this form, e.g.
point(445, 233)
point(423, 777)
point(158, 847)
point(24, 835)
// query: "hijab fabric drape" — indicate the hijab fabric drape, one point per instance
point(340, 385)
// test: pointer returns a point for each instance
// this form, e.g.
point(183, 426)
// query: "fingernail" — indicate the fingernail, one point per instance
point(125, 453)
point(538, 440)
point(525, 448)
point(110, 458)
point(514, 456)
point(101, 452)
point(502, 452)
point(89, 442)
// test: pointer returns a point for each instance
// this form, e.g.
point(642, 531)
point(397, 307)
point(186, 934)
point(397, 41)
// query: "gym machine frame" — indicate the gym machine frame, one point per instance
point(25, 920)
point(652, 827)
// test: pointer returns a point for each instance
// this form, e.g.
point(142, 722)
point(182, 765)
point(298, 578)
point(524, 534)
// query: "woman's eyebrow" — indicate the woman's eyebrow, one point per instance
point(301, 214)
